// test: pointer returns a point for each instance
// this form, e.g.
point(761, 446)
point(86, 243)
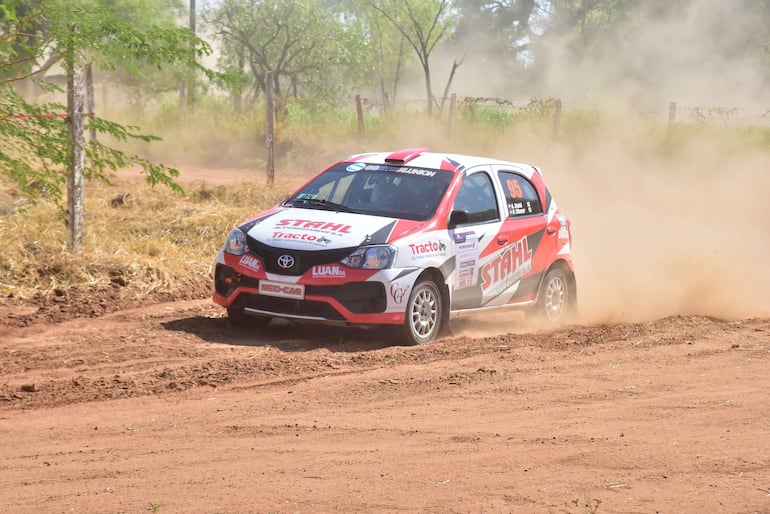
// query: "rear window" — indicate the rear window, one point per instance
point(520, 195)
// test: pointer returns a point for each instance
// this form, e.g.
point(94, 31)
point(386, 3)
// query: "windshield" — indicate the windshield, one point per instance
point(376, 189)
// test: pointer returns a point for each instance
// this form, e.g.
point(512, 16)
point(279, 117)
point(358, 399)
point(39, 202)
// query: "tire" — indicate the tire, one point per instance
point(240, 319)
point(424, 313)
point(554, 300)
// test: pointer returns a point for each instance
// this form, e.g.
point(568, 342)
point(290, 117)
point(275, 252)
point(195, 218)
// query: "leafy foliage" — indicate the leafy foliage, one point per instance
point(35, 138)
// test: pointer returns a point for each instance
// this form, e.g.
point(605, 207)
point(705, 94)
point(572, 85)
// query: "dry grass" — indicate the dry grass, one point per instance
point(148, 240)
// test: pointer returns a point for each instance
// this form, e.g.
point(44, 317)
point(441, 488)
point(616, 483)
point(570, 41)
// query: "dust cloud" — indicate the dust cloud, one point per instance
point(657, 236)
point(658, 231)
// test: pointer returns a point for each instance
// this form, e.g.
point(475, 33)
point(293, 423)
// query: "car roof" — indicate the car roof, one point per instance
point(422, 158)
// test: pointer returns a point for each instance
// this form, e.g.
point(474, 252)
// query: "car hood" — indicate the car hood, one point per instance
point(312, 229)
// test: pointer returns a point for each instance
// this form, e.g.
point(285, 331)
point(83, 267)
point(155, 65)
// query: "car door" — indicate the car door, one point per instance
point(513, 274)
point(475, 237)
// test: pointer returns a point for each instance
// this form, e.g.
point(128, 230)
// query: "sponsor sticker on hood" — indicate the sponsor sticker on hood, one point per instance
point(309, 229)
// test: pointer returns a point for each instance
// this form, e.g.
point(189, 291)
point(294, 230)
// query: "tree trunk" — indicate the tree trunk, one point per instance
point(191, 80)
point(76, 153)
point(428, 87)
point(269, 128)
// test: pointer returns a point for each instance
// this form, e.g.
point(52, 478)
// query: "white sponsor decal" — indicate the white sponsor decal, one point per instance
point(428, 248)
point(321, 226)
point(401, 169)
point(508, 267)
point(397, 292)
point(250, 262)
point(292, 235)
point(281, 289)
point(467, 255)
point(328, 271)
point(356, 166)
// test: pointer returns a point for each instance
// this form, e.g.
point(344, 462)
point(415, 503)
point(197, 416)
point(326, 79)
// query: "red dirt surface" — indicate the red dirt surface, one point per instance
point(168, 408)
point(116, 406)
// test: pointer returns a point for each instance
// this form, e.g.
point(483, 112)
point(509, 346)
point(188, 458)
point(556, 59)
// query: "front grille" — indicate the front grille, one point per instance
point(303, 259)
point(357, 297)
point(288, 306)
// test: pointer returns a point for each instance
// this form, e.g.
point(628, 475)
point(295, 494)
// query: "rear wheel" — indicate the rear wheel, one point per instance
point(424, 313)
point(238, 318)
point(554, 299)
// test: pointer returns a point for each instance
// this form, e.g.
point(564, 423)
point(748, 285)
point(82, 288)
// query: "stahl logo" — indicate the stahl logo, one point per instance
point(286, 261)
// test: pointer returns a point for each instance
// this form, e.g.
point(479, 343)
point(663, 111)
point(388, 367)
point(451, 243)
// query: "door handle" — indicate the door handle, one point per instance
point(550, 231)
point(501, 240)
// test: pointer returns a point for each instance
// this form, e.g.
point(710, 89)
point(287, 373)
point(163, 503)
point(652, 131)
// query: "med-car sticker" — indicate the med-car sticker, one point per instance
point(467, 257)
point(356, 166)
point(281, 289)
point(508, 267)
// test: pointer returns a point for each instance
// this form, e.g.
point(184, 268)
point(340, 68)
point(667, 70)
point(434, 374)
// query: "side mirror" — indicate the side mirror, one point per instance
point(458, 218)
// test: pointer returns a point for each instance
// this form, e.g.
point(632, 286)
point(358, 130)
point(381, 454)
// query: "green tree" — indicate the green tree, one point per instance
point(301, 42)
point(40, 152)
point(423, 23)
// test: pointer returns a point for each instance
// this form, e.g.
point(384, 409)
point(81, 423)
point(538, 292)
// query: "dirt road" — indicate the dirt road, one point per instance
point(167, 408)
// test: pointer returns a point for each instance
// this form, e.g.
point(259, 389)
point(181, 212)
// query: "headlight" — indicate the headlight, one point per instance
point(236, 242)
point(370, 257)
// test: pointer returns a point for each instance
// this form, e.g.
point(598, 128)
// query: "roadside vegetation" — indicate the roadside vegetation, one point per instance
point(142, 73)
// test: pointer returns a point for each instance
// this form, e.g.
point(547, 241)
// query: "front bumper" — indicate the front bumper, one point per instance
point(355, 302)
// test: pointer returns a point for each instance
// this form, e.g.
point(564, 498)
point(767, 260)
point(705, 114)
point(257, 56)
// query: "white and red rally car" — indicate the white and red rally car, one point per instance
point(407, 239)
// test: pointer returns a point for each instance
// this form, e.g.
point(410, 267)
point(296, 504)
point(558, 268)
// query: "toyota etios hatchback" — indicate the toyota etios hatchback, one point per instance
point(406, 239)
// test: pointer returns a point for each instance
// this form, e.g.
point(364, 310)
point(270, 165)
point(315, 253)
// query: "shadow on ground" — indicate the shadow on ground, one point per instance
point(288, 336)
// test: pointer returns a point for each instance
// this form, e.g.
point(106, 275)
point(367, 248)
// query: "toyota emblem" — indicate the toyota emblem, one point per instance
point(286, 261)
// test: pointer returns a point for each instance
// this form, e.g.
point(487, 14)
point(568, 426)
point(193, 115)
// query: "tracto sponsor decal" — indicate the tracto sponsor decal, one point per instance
point(328, 271)
point(429, 248)
point(508, 267)
point(250, 262)
point(356, 166)
point(397, 292)
point(320, 226)
point(295, 235)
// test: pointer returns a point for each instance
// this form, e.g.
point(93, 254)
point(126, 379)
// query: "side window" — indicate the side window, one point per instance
point(477, 197)
point(520, 195)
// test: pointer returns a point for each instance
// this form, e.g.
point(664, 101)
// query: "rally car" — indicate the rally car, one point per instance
point(407, 239)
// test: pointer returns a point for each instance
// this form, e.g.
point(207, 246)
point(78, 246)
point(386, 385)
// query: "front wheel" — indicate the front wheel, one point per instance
point(424, 313)
point(555, 298)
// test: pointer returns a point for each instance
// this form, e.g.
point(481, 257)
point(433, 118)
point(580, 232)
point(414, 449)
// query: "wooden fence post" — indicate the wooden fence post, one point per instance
point(75, 151)
point(557, 119)
point(671, 119)
point(360, 118)
point(269, 127)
